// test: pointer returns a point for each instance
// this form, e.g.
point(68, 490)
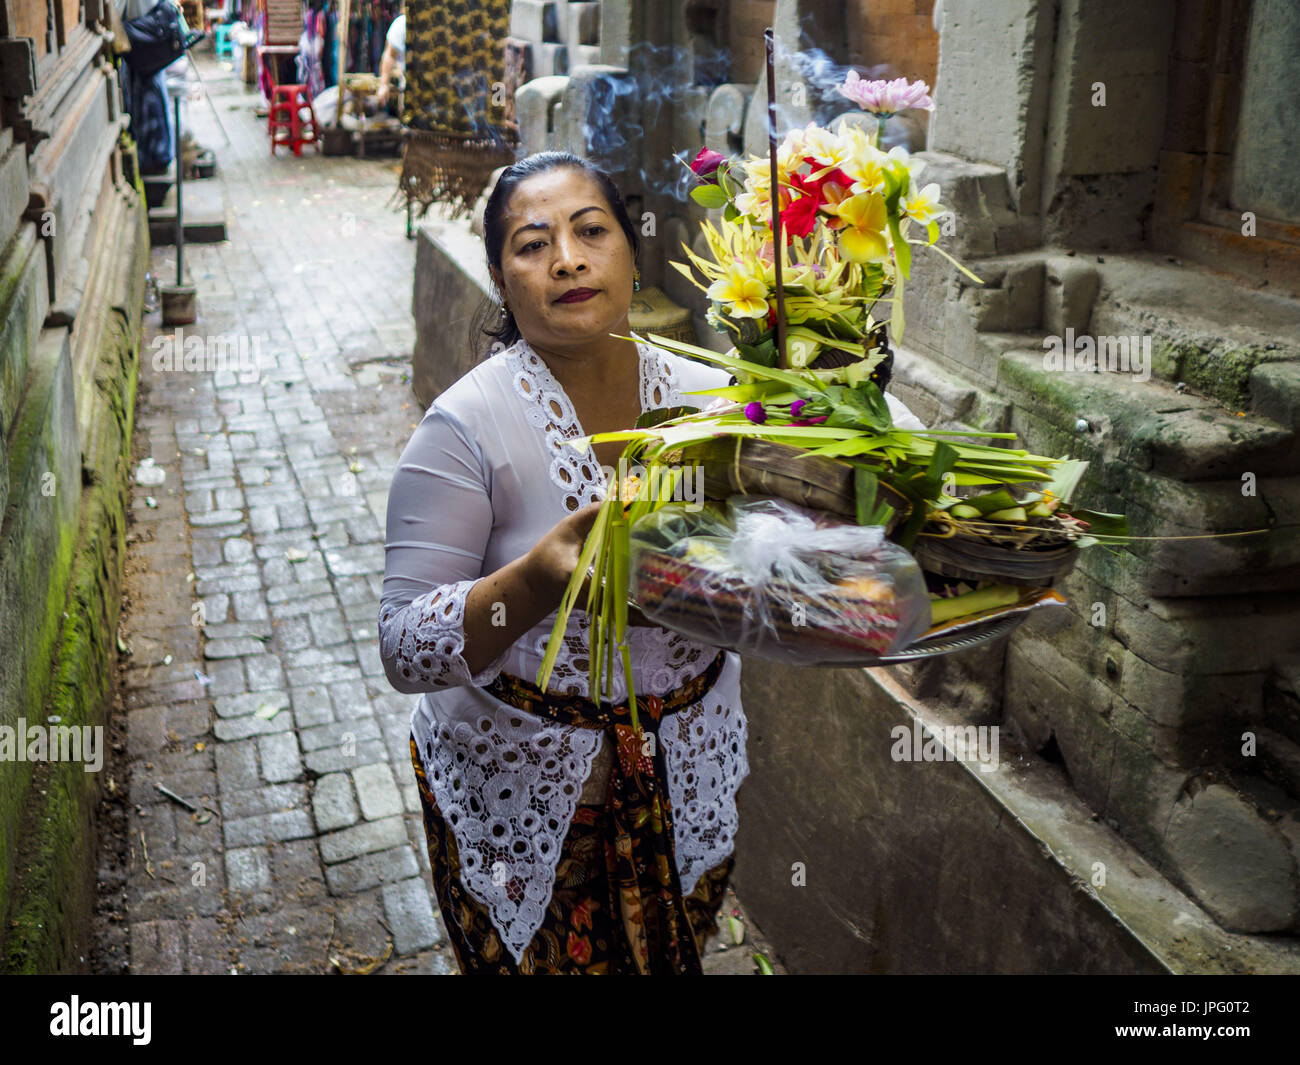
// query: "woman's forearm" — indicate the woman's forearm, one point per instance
point(502, 607)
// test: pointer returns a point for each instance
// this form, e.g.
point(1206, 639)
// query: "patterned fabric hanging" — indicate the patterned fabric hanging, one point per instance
point(455, 103)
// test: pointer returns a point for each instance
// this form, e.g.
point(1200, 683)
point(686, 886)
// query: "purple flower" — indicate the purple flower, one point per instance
point(705, 165)
point(797, 406)
point(755, 412)
point(886, 98)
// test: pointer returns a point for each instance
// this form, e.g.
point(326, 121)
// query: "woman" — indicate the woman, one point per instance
point(559, 841)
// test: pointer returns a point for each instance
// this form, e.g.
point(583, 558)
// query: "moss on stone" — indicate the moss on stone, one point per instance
point(1222, 371)
point(49, 898)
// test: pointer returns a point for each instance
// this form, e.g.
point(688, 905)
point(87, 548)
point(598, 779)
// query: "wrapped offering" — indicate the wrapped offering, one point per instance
point(766, 577)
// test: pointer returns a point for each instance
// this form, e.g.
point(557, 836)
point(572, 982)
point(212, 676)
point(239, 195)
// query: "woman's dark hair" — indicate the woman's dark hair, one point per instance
point(489, 321)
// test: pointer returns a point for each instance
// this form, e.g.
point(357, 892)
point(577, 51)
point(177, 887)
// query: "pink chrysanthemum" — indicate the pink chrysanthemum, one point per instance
point(886, 98)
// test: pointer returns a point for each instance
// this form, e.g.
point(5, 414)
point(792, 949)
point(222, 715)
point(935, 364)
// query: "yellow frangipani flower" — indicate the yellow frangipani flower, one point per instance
point(758, 173)
point(744, 294)
point(791, 150)
point(756, 199)
point(829, 149)
point(923, 206)
point(753, 204)
point(862, 161)
point(863, 237)
point(900, 154)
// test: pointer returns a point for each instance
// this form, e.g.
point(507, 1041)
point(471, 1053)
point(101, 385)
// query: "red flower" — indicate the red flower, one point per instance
point(705, 165)
point(799, 218)
point(835, 175)
point(579, 948)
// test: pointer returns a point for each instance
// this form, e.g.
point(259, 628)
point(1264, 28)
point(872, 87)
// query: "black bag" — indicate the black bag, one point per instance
point(157, 38)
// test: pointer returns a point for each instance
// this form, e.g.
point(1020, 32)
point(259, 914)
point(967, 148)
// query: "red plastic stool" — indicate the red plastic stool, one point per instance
point(284, 119)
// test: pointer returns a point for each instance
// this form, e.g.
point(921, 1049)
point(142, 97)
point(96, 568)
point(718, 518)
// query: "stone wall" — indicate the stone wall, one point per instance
point(554, 36)
point(75, 240)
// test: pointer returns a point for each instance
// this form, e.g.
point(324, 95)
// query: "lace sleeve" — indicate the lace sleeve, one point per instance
point(439, 520)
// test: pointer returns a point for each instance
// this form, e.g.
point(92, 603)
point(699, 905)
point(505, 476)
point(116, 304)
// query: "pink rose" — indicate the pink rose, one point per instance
point(705, 165)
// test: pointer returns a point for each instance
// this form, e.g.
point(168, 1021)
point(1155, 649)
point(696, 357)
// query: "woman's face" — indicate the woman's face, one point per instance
point(566, 264)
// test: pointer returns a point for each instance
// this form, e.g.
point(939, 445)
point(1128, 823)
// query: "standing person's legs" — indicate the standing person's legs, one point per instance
point(579, 934)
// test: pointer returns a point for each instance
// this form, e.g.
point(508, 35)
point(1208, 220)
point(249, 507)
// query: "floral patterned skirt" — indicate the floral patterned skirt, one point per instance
point(582, 932)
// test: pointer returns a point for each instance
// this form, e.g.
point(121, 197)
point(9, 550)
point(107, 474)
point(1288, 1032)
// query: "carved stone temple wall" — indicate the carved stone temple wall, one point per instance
point(74, 247)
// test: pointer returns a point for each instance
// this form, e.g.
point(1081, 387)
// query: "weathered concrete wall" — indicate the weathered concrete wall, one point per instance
point(1046, 142)
point(70, 299)
point(451, 279)
point(995, 111)
point(1264, 176)
point(939, 866)
point(1183, 654)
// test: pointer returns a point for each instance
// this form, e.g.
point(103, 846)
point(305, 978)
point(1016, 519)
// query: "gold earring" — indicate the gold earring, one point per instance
point(636, 280)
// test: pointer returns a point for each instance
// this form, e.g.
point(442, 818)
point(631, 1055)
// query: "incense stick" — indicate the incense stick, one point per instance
point(778, 247)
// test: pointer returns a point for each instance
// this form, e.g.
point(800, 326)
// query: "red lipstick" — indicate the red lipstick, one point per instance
point(577, 295)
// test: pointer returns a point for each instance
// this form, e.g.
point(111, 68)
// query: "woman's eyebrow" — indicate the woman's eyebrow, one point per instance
point(546, 225)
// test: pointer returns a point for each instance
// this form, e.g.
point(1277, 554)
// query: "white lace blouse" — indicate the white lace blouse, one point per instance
point(484, 476)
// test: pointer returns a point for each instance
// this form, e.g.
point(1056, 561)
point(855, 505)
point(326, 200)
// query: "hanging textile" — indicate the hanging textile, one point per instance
point(454, 107)
point(329, 57)
point(307, 61)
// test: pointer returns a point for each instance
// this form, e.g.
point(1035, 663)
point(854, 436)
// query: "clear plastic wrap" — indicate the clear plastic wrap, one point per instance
point(767, 577)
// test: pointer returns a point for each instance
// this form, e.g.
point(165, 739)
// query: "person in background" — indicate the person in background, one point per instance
point(394, 59)
point(147, 101)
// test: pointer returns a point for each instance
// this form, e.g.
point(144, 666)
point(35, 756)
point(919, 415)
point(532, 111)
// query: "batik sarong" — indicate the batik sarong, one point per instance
point(617, 905)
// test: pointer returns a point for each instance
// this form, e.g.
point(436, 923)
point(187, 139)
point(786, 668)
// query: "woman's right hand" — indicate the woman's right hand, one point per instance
point(554, 557)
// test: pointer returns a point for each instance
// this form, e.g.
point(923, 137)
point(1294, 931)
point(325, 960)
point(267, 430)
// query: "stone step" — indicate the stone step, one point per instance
point(156, 186)
point(205, 215)
point(1279, 761)
point(1206, 329)
point(1153, 426)
point(1022, 828)
point(1175, 463)
point(1252, 488)
point(1179, 323)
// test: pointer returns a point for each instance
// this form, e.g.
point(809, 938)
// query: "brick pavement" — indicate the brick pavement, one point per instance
point(253, 686)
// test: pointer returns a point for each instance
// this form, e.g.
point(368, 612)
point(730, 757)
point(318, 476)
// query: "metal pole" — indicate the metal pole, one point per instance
point(180, 180)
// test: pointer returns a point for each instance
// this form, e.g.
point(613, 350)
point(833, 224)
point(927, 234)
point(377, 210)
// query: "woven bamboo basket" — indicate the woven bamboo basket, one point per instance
point(749, 466)
point(972, 558)
point(759, 467)
point(833, 358)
